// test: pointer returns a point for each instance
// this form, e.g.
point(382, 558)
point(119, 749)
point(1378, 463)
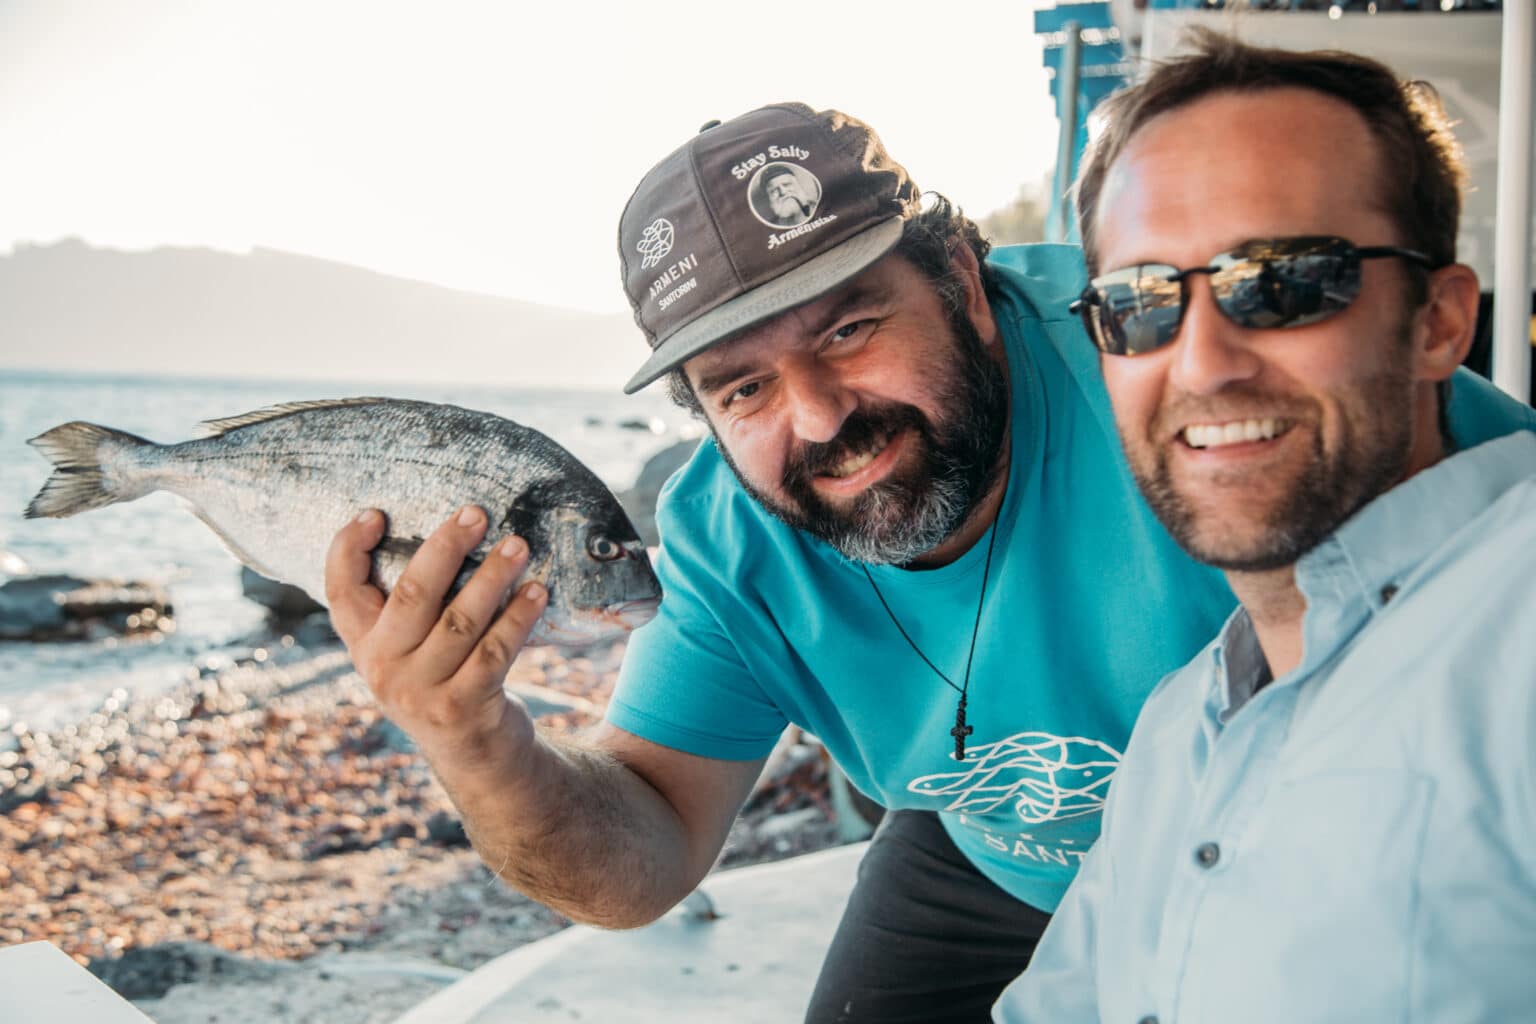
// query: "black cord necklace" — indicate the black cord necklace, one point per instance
point(961, 730)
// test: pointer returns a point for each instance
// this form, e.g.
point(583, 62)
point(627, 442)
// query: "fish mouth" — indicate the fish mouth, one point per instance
point(633, 614)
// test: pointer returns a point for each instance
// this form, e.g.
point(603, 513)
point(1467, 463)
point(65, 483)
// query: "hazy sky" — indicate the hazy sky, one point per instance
point(484, 146)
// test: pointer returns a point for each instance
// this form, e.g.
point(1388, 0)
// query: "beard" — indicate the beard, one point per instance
point(789, 207)
point(1373, 454)
point(917, 506)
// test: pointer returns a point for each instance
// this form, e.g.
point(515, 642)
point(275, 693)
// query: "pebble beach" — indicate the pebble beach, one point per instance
point(205, 806)
point(266, 820)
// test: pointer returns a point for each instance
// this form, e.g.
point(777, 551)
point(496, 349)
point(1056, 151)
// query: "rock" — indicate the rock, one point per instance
point(446, 830)
point(336, 839)
point(640, 500)
point(384, 735)
point(655, 425)
point(315, 631)
point(285, 602)
point(396, 831)
point(149, 972)
point(59, 607)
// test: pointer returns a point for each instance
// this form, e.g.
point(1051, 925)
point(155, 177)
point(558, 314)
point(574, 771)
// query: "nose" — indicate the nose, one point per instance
point(818, 403)
point(1211, 351)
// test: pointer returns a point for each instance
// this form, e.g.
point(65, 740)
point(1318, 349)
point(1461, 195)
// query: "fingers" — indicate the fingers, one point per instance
point(354, 602)
point(473, 609)
point(416, 599)
point(492, 657)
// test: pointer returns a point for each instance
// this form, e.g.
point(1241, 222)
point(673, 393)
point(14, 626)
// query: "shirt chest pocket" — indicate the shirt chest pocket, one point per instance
point(1322, 898)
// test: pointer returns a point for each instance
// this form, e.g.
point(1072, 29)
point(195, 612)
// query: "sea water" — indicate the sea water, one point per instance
point(156, 539)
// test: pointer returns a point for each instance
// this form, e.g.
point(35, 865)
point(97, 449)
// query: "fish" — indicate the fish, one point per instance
point(276, 485)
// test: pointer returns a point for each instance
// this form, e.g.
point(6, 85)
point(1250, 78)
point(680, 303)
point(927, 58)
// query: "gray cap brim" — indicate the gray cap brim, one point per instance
point(810, 280)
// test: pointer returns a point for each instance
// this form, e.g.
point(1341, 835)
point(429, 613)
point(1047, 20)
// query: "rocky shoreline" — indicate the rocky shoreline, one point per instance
point(266, 819)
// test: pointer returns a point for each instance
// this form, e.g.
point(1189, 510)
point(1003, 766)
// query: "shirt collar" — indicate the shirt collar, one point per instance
point(1240, 670)
point(1373, 553)
point(1358, 569)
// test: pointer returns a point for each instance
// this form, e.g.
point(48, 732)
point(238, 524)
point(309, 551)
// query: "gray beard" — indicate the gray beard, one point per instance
point(885, 529)
point(901, 519)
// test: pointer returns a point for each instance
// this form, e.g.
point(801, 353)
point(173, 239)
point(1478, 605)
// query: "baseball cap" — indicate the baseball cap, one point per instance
point(752, 217)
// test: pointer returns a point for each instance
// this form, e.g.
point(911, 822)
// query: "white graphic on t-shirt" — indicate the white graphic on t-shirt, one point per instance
point(1048, 778)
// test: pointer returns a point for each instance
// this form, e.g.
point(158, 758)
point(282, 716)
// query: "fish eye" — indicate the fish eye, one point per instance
point(603, 549)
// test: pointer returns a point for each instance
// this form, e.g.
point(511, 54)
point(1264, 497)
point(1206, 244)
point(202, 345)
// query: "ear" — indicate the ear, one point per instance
point(963, 262)
point(1443, 328)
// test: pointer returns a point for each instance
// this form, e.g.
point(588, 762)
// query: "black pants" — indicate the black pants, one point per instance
point(926, 937)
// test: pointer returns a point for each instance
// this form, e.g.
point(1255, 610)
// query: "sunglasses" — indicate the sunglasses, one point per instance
point(1263, 284)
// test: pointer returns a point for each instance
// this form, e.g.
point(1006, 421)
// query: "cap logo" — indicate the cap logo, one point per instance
point(783, 195)
point(655, 242)
point(750, 217)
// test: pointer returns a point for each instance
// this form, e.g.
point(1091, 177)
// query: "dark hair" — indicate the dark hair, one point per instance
point(927, 240)
point(1422, 164)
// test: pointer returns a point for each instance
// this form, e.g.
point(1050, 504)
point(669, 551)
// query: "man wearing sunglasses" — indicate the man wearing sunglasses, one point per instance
point(1330, 813)
point(911, 532)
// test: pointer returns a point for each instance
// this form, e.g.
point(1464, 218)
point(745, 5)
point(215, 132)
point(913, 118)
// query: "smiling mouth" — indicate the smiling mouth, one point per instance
point(851, 464)
point(1220, 435)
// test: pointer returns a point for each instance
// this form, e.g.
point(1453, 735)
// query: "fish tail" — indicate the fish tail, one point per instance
point(81, 481)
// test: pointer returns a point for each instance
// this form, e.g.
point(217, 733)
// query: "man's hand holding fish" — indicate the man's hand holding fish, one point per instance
point(613, 832)
point(438, 671)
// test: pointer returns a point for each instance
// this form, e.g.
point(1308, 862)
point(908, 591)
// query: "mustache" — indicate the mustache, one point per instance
point(859, 432)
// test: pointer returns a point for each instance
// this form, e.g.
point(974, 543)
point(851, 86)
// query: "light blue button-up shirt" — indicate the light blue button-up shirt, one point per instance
point(1355, 841)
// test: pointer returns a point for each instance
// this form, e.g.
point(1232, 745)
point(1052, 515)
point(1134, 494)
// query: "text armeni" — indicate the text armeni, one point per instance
point(672, 275)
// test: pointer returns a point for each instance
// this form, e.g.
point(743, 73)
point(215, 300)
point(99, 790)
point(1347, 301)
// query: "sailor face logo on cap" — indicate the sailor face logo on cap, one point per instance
point(783, 195)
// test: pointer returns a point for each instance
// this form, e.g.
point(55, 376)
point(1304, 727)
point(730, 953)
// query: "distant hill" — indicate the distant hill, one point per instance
point(189, 311)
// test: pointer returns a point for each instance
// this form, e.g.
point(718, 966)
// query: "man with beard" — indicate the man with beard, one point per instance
point(787, 202)
point(1329, 813)
point(911, 533)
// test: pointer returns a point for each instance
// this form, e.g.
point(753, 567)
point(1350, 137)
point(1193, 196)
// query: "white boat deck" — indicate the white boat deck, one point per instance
point(44, 984)
point(756, 961)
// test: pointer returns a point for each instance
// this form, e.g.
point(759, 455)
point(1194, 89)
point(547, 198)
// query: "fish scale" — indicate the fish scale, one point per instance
point(276, 484)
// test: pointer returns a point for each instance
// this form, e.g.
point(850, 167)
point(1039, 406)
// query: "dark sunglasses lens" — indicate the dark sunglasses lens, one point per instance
point(1287, 283)
point(1138, 310)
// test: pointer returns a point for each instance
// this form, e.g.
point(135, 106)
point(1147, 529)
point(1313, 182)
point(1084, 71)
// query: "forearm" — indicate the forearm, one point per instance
point(573, 827)
point(612, 840)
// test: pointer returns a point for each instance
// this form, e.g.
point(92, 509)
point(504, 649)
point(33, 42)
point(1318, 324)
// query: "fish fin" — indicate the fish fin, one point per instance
point(274, 412)
point(241, 554)
point(78, 483)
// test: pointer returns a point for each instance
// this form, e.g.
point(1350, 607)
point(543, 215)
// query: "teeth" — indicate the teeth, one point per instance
point(1214, 435)
point(854, 463)
point(850, 466)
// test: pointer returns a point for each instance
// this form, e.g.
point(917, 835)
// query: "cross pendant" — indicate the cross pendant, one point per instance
point(960, 732)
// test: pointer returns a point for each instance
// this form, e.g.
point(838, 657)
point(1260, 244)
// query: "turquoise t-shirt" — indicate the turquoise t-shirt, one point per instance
point(1090, 603)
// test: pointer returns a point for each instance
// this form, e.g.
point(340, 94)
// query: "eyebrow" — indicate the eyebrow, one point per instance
point(857, 296)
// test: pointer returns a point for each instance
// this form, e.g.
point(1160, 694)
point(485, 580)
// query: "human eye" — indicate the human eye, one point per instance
point(848, 336)
point(743, 396)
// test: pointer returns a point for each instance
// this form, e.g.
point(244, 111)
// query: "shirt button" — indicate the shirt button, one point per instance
point(1388, 592)
point(1148, 1019)
point(1207, 854)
